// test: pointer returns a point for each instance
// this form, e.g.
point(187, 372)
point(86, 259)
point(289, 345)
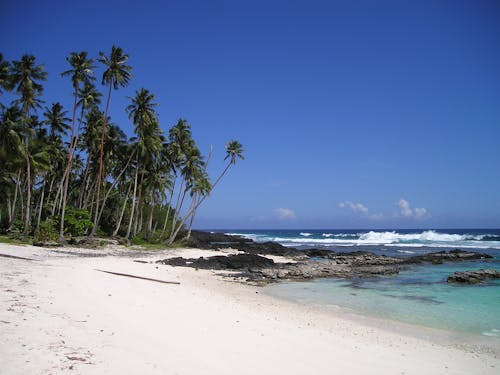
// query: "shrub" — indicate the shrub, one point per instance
point(77, 222)
point(47, 232)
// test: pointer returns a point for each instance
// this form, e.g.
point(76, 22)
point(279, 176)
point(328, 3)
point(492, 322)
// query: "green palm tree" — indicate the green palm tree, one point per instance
point(55, 118)
point(11, 157)
point(116, 75)
point(89, 97)
point(234, 151)
point(4, 74)
point(25, 80)
point(148, 143)
point(81, 72)
point(10, 135)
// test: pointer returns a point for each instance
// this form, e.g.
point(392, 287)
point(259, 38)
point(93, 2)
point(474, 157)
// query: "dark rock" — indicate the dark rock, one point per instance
point(473, 277)
point(319, 253)
point(450, 256)
point(356, 264)
point(220, 262)
point(206, 240)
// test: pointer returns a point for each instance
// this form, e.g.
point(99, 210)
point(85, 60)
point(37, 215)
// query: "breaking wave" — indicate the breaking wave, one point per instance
point(427, 238)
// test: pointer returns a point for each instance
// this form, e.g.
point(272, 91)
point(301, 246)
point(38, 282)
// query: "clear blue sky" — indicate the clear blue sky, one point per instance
point(353, 114)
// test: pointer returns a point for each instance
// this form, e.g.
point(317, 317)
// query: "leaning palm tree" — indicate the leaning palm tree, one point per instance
point(25, 80)
point(116, 75)
point(234, 151)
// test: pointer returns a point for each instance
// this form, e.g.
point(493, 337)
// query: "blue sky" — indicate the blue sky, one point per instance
point(352, 114)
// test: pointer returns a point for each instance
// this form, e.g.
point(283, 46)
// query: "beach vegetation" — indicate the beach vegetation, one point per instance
point(71, 172)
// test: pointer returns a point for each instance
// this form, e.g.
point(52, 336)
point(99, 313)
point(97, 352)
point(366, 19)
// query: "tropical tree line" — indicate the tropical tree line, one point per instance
point(72, 171)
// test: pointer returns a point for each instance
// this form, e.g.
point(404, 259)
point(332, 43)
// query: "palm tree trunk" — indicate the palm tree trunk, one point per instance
point(186, 216)
point(9, 211)
point(90, 197)
point(149, 227)
point(138, 214)
point(168, 209)
point(41, 206)
point(176, 212)
point(51, 185)
point(21, 199)
point(115, 182)
point(133, 199)
point(13, 210)
point(85, 191)
point(99, 175)
point(192, 218)
point(27, 218)
point(67, 172)
point(118, 225)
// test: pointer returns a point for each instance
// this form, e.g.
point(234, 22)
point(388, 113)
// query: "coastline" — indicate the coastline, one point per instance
point(62, 316)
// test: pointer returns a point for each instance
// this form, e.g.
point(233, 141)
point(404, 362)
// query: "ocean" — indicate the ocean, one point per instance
point(419, 295)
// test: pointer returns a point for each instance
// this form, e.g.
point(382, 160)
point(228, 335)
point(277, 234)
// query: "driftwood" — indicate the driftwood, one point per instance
point(16, 257)
point(140, 277)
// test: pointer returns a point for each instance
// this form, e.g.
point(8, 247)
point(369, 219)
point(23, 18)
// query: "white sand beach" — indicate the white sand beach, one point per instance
point(59, 315)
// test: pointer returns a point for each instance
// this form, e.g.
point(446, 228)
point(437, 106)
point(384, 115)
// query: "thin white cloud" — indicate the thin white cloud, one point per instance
point(420, 212)
point(355, 207)
point(361, 209)
point(405, 210)
point(376, 217)
point(285, 213)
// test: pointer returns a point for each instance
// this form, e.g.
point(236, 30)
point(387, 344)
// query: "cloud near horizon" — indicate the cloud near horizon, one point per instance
point(285, 213)
point(355, 207)
point(361, 209)
point(405, 210)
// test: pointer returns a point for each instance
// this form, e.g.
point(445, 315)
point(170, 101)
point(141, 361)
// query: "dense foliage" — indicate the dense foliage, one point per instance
point(73, 172)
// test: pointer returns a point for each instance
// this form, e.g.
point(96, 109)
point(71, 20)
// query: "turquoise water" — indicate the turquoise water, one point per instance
point(419, 295)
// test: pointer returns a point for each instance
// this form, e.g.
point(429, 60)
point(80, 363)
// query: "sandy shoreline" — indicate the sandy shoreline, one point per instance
point(60, 315)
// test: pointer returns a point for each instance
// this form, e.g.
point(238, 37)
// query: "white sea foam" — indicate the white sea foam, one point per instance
point(429, 238)
point(492, 333)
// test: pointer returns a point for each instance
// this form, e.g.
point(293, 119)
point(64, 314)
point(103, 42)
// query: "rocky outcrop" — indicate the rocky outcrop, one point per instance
point(259, 268)
point(219, 262)
point(447, 256)
point(313, 263)
point(473, 277)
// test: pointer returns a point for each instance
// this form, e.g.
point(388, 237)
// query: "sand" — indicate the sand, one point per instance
point(58, 315)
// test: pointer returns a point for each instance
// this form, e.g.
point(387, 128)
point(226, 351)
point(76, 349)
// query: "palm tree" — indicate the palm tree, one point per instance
point(117, 74)
point(11, 156)
point(25, 77)
point(81, 73)
point(4, 74)
point(201, 188)
point(149, 146)
point(234, 151)
point(55, 118)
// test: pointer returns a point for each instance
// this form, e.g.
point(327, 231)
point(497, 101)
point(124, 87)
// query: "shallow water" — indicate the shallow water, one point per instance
point(419, 295)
